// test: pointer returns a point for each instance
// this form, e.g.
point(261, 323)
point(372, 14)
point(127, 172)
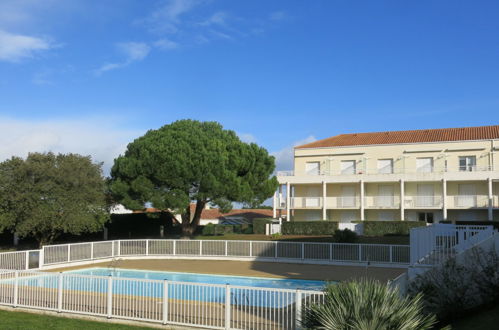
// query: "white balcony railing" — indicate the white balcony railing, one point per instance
point(306, 202)
point(382, 202)
point(343, 202)
point(384, 171)
point(468, 201)
point(422, 201)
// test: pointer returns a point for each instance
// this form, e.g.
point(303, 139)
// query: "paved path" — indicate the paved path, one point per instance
point(258, 269)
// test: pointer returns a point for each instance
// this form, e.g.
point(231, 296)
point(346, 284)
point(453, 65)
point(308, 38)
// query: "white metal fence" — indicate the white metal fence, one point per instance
point(268, 250)
point(167, 302)
point(435, 244)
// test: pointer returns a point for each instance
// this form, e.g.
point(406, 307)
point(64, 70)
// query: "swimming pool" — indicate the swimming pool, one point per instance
point(139, 284)
point(260, 282)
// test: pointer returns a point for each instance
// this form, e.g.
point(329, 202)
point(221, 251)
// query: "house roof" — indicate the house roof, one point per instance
point(414, 136)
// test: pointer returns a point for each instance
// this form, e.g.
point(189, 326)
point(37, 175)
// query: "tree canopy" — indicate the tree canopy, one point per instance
point(192, 162)
point(46, 195)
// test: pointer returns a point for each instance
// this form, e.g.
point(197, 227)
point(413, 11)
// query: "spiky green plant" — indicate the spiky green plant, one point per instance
point(366, 305)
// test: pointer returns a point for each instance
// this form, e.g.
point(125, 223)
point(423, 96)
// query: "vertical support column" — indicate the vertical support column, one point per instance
point(16, 288)
point(324, 198)
point(26, 260)
point(362, 201)
point(288, 200)
point(59, 293)
point(444, 199)
point(165, 301)
point(491, 200)
point(274, 205)
point(402, 200)
point(109, 297)
point(298, 298)
point(227, 307)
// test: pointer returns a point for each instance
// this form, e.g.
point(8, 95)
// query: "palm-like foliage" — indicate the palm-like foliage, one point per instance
point(366, 305)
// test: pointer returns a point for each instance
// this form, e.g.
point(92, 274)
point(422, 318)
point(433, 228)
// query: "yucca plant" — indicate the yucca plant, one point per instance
point(366, 305)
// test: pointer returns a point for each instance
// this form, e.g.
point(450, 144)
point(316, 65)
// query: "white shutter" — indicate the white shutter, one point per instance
point(385, 165)
point(348, 167)
point(312, 168)
point(424, 165)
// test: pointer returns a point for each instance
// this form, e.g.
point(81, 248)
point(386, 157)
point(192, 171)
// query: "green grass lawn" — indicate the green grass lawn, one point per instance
point(22, 321)
point(404, 240)
point(485, 320)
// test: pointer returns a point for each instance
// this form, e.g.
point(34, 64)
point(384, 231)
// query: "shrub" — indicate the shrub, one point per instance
point(366, 304)
point(212, 229)
point(380, 228)
point(451, 289)
point(345, 236)
point(309, 227)
point(259, 225)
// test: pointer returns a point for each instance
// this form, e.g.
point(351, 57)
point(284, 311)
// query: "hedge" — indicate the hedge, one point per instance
point(259, 225)
point(212, 229)
point(309, 227)
point(380, 228)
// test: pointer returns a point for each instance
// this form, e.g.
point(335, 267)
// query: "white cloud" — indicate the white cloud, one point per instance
point(218, 18)
point(17, 47)
point(165, 44)
point(133, 52)
point(278, 16)
point(98, 137)
point(247, 137)
point(167, 17)
point(284, 157)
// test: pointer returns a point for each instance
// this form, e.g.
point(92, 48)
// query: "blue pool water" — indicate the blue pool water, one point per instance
point(259, 282)
point(123, 284)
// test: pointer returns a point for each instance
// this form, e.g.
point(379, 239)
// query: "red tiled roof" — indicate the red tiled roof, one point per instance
point(214, 213)
point(414, 136)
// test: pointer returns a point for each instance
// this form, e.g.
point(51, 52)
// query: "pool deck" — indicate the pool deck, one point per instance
point(252, 268)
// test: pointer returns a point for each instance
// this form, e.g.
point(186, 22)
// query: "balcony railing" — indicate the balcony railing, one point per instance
point(422, 201)
point(384, 171)
point(468, 201)
point(306, 202)
point(343, 202)
point(382, 202)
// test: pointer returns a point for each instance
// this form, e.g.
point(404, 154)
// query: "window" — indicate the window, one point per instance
point(426, 217)
point(348, 167)
point(467, 163)
point(312, 168)
point(385, 166)
point(424, 165)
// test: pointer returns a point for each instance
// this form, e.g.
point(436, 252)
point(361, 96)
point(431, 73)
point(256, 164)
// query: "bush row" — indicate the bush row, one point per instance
point(212, 229)
point(259, 225)
point(380, 228)
point(309, 227)
point(475, 223)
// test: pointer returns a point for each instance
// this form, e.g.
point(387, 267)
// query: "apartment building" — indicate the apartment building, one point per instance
point(419, 175)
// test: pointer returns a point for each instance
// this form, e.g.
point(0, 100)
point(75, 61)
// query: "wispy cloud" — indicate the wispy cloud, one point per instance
point(284, 157)
point(133, 52)
point(165, 44)
point(218, 18)
point(17, 47)
point(166, 18)
point(83, 136)
point(278, 16)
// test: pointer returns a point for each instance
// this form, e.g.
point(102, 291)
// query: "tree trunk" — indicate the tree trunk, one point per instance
point(189, 225)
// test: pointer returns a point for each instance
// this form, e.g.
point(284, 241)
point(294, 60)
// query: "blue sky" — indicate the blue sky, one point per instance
point(90, 75)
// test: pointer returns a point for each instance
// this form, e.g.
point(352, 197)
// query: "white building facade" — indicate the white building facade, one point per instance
point(421, 175)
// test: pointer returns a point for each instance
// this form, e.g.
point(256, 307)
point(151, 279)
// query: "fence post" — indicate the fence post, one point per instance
point(360, 252)
point(200, 247)
point(226, 250)
point(41, 257)
point(59, 293)
point(174, 247)
point(112, 248)
point(275, 250)
point(251, 249)
point(391, 253)
point(227, 306)
point(92, 251)
point(26, 254)
point(119, 248)
point(298, 298)
point(16, 288)
point(331, 251)
point(303, 250)
point(69, 252)
point(165, 301)
point(109, 297)
point(147, 247)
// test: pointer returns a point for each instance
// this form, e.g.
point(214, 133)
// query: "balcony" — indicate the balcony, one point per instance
point(382, 202)
point(468, 201)
point(416, 202)
point(424, 171)
point(306, 202)
point(343, 202)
